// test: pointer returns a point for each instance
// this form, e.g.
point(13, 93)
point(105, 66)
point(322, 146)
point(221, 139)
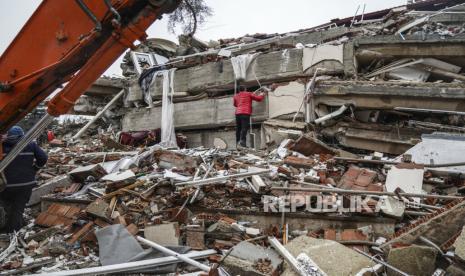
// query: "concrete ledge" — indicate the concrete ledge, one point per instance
point(388, 95)
point(48, 187)
point(203, 114)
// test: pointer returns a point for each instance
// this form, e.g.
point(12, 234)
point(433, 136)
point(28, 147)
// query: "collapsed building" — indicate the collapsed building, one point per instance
point(366, 106)
point(395, 81)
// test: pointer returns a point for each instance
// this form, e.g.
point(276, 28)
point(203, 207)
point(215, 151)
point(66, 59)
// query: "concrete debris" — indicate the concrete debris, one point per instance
point(82, 173)
point(247, 258)
point(414, 260)
point(215, 198)
point(439, 148)
point(164, 234)
point(356, 157)
point(408, 178)
point(459, 245)
point(330, 256)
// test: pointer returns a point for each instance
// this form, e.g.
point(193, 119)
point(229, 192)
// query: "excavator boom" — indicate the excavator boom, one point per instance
point(72, 42)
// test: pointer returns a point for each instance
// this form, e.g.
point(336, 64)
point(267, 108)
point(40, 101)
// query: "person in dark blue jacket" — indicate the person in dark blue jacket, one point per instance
point(20, 177)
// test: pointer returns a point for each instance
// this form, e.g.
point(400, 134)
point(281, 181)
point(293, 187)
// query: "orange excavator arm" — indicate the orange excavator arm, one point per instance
point(72, 42)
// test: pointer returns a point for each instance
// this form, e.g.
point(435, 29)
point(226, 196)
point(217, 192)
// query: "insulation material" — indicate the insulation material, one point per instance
point(168, 137)
point(315, 55)
point(240, 65)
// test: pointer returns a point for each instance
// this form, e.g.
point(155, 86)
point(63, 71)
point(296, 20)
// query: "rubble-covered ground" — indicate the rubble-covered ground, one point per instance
point(357, 169)
point(97, 196)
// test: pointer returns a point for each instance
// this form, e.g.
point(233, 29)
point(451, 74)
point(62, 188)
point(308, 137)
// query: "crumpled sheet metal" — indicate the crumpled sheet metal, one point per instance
point(117, 245)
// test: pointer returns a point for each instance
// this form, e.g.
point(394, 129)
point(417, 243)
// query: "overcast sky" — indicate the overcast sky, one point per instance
point(232, 18)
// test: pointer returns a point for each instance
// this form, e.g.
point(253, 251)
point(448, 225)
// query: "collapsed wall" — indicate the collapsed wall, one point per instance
point(388, 80)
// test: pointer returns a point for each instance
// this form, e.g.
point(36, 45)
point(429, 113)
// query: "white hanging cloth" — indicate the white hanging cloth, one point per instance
point(240, 65)
point(168, 137)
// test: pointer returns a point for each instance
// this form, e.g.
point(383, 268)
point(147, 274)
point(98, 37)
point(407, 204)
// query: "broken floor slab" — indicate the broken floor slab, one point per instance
point(440, 228)
point(246, 255)
point(389, 95)
point(48, 187)
point(207, 113)
point(414, 260)
point(308, 145)
point(216, 76)
point(440, 148)
point(373, 137)
point(459, 245)
point(332, 257)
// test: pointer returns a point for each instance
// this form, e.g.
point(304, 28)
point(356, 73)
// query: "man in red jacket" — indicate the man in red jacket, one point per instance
point(243, 103)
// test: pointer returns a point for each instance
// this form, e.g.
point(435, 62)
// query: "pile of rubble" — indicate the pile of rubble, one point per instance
point(355, 165)
point(104, 210)
point(370, 82)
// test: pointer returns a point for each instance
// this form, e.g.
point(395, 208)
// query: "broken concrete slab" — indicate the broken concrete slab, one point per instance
point(407, 177)
point(219, 143)
point(332, 55)
point(285, 99)
point(169, 160)
point(201, 114)
point(388, 95)
point(433, 229)
point(217, 76)
point(99, 209)
point(81, 173)
point(332, 257)
point(245, 255)
point(413, 260)
point(163, 234)
point(308, 145)
point(459, 245)
point(126, 176)
point(392, 207)
point(48, 187)
point(117, 245)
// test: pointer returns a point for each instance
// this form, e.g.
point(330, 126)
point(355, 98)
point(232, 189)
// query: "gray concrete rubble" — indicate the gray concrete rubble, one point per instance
point(244, 257)
point(459, 245)
point(332, 257)
point(353, 166)
point(414, 260)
